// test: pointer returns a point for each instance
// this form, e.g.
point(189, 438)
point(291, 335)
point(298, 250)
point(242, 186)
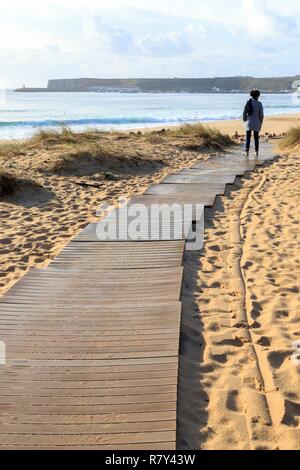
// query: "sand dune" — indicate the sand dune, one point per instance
point(239, 386)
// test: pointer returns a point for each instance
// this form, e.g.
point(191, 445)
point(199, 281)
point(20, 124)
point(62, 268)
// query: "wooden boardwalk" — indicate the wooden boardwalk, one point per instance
point(92, 342)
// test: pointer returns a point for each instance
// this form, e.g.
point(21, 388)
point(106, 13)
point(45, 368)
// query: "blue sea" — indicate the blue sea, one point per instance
point(21, 114)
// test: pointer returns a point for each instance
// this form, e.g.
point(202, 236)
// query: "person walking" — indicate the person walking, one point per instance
point(253, 116)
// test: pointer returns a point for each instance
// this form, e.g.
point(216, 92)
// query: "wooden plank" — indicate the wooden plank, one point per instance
point(236, 166)
point(87, 410)
point(91, 428)
point(87, 320)
point(110, 440)
point(144, 223)
point(101, 376)
point(91, 384)
point(101, 400)
point(93, 296)
point(110, 276)
point(131, 350)
point(75, 361)
point(198, 178)
point(108, 256)
point(96, 393)
point(116, 285)
point(199, 189)
point(33, 322)
point(130, 345)
point(126, 308)
point(143, 446)
point(149, 324)
point(14, 357)
point(104, 330)
point(104, 373)
point(266, 154)
point(73, 419)
point(208, 172)
point(184, 198)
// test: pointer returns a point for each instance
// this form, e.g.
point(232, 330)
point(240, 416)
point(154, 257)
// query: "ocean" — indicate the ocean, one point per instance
point(21, 114)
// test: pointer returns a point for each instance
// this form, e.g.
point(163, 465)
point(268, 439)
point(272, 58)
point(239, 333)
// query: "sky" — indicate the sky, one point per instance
point(47, 39)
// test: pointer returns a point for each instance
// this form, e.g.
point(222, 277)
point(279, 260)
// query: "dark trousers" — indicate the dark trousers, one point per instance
point(248, 140)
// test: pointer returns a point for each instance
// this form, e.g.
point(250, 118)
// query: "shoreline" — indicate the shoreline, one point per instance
point(276, 123)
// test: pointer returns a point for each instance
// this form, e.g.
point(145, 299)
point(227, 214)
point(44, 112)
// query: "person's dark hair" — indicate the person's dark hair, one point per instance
point(255, 94)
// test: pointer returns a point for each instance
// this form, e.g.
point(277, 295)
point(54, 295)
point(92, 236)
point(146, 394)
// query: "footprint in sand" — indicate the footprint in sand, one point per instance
point(292, 413)
point(5, 241)
point(40, 238)
point(247, 265)
point(214, 248)
point(221, 358)
point(280, 314)
point(255, 325)
point(11, 269)
point(232, 400)
point(277, 358)
point(256, 310)
point(264, 341)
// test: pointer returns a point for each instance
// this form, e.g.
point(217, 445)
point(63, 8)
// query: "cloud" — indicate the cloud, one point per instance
point(157, 44)
point(139, 37)
point(263, 22)
point(115, 38)
point(53, 48)
point(267, 48)
point(164, 44)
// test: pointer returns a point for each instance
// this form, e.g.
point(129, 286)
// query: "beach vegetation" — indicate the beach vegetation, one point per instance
point(291, 139)
point(65, 152)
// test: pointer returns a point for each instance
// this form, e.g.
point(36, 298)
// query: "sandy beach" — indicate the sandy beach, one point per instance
point(239, 387)
point(272, 124)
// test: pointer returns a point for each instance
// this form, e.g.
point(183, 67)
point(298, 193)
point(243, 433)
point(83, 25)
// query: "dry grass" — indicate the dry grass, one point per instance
point(291, 139)
point(11, 149)
point(47, 139)
point(65, 152)
point(64, 136)
point(88, 159)
point(192, 137)
point(209, 137)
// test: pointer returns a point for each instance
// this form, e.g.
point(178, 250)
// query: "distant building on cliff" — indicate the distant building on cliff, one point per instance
point(113, 89)
point(169, 85)
point(93, 85)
